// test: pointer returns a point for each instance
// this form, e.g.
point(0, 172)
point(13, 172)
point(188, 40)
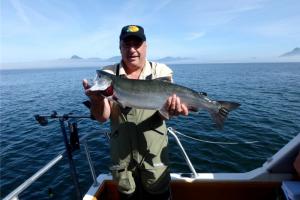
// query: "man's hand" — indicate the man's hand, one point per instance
point(174, 107)
point(93, 95)
point(100, 106)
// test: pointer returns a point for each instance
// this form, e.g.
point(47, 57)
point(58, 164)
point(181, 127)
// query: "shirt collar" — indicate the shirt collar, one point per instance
point(146, 71)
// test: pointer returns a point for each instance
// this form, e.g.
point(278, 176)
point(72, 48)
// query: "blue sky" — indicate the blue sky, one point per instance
point(208, 30)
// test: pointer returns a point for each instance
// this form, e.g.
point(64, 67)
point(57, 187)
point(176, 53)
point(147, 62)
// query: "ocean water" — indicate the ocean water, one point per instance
point(269, 94)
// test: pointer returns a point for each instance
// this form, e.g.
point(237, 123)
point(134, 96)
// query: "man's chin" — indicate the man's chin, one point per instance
point(133, 61)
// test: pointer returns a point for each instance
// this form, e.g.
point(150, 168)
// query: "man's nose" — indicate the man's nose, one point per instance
point(131, 49)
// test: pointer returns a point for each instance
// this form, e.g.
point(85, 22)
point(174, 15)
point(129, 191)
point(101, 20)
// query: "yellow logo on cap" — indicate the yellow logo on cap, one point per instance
point(132, 29)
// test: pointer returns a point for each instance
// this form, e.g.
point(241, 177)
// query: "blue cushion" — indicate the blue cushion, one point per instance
point(291, 189)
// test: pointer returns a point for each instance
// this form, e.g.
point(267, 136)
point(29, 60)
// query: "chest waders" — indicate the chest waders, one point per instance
point(138, 147)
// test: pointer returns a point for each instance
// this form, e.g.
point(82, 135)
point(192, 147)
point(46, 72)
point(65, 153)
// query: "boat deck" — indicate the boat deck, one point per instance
point(233, 190)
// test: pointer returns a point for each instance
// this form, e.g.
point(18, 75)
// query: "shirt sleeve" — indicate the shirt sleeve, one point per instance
point(165, 71)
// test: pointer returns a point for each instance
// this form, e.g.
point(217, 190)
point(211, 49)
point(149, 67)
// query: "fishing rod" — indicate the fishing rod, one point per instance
point(42, 119)
point(71, 144)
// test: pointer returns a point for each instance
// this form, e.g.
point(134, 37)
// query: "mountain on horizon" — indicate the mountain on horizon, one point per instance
point(113, 59)
point(96, 59)
point(172, 59)
point(75, 57)
point(294, 52)
point(118, 58)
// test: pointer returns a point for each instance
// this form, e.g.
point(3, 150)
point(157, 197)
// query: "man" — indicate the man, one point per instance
point(138, 137)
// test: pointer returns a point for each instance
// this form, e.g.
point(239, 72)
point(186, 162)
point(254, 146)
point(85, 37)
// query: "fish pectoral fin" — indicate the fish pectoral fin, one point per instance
point(193, 109)
point(203, 93)
point(164, 113)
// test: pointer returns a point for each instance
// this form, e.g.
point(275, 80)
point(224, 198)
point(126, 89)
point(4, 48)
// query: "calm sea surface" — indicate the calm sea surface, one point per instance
point(270, 113)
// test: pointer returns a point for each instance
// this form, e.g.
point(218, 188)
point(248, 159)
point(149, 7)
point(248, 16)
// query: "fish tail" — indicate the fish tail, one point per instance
point(220, 116)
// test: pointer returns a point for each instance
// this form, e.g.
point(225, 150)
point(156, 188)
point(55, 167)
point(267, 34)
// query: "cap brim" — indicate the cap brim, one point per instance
point(124, 36)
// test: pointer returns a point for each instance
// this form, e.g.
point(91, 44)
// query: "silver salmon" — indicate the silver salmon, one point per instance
point(153, 94)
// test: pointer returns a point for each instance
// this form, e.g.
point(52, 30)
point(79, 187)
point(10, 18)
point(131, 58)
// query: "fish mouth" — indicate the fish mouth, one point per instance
point(98, 87)
point(100, 84)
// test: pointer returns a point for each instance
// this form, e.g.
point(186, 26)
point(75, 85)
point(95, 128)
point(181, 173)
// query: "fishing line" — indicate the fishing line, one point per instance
point(208, 141)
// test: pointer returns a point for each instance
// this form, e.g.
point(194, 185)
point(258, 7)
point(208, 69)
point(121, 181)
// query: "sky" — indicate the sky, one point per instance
point(231, 30)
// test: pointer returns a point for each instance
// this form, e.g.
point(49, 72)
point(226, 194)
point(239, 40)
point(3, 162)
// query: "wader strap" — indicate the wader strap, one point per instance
point(125, 110)
point(118, 70)
point(150, 76)
point(151, 123)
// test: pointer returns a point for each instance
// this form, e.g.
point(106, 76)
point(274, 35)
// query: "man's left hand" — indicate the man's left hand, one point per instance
point(175, 107)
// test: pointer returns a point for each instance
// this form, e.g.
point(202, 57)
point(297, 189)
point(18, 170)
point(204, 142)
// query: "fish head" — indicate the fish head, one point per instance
point(103, 83)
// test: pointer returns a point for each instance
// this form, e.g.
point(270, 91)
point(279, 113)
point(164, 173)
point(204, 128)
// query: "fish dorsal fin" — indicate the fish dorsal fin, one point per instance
point(165, 78)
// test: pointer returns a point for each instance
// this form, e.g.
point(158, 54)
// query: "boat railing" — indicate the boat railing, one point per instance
point(92, 168)
point(189, 163)
point(71, 144)
point(16, 192)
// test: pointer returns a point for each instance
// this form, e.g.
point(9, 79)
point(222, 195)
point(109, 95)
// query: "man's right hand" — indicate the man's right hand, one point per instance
point(93, 95)
point(100, 106)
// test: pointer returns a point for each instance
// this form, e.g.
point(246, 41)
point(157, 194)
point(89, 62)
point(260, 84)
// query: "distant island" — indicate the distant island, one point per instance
point(75, 57)
point(172, 59)
point(294, 52)
point(78, 61)
point(114, 59)
point(167, 59)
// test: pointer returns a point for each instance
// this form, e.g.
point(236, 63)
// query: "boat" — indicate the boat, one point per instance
point(263, 183)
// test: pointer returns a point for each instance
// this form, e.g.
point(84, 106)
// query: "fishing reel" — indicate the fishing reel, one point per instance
point(73, 142)
point(42, 120)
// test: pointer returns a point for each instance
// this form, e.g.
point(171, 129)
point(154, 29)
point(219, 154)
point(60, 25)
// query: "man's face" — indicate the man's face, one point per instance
point(133, 51)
